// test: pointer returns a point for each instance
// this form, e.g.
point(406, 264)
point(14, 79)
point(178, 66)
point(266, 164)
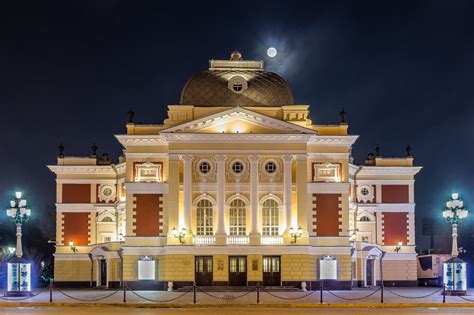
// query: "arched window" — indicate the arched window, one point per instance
point(270, 217)
point(364, 219)
point(204, 217)
point(107, 219)
point(237, 217)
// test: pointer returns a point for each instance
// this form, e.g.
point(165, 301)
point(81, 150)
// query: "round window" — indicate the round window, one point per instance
point(237, 84)
point(204, 167)
point(270, 167)
point(107, 191)
point(365, 191)
point(237, 167)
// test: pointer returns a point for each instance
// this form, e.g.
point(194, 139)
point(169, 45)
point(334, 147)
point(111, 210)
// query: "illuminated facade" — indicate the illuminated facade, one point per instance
point(236, 187)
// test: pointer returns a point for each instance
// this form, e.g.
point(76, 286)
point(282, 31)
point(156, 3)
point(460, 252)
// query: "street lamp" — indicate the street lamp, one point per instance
point(18, 269)
point(179, 234)
point(455, 268)
point(295, 234)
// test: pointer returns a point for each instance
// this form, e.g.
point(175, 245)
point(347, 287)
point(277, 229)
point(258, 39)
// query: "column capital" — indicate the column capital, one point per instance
point(187, 158)
point(254, 158)
point(287, 158)
point(220, 158)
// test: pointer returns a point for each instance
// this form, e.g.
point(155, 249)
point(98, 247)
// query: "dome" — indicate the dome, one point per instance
point(236, 82)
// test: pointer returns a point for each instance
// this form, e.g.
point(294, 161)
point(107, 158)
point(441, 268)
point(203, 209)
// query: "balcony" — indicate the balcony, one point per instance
point(237, 240)
point(272, 240)
point(201, 240)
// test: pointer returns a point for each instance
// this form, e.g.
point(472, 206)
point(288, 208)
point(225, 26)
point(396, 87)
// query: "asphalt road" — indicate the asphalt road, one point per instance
point(229, 311)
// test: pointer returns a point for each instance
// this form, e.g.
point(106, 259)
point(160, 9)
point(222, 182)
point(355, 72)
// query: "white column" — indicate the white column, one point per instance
point(220, 231)
point(19, 249)
point(287, 191)
point(187, 191)
point(454, 251)
point(254, 235)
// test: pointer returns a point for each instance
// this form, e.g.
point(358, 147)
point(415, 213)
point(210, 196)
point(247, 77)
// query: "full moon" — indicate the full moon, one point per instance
point(271, 52)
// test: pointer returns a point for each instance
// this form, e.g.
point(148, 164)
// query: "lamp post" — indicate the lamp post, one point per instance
point(455, 268)
point(18, 269)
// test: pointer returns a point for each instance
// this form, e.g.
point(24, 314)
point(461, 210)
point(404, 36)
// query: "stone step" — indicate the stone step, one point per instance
point(239, 288)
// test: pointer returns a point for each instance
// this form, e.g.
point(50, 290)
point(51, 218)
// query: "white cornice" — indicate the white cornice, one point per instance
point(76, 207)
point(82, 169)
point(141, 140)
point(328, 155)
point(328, 188)
point(145, 155)
point(146, 188)
point(384, 170)
point(236, 137)
point(85, 181)
point(345, 141)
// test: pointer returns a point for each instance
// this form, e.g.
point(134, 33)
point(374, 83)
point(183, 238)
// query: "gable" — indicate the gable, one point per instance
point(238, 120)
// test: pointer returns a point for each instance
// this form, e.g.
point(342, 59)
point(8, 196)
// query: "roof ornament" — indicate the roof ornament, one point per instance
point(409, 149)
point(94, 150)
point(377, 151)
point(236, 55)
point(130, 115)
point(61, 150)
point(343, 115)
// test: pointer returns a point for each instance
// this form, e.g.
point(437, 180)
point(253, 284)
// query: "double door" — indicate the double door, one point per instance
point(238, 270)
point(203, 271)
point(271, 270)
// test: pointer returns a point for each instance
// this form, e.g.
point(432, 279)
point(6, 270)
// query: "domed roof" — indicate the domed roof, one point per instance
point(236, 82)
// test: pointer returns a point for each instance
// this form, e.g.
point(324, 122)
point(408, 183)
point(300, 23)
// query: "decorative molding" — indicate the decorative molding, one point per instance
point(384, 170)
point(85, 181)
point(76, 207)
point(141, 140)
point(369, 196)
point(237, 137)
point(82, 169)
point(103, 196)
point(346, 141)
point(146, 155)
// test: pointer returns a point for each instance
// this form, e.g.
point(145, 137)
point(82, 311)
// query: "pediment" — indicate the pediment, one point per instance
point(239, 120)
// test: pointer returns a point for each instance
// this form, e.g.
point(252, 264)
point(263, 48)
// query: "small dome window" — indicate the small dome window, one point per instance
point(237, 84)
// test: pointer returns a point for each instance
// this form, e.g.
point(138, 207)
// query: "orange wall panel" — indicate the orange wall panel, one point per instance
point(148, 214)
point(76, 193)
point(395, 228)
point(395, 193)
point(76, 228)
point(326, 214)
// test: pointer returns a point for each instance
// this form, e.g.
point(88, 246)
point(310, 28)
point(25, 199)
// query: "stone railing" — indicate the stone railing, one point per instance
point(272, 240)
point(237, 240)
point(204, 240)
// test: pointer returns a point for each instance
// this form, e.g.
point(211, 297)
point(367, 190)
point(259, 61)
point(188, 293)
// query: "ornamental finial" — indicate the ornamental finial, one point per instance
point(343, 115)
point(61, 150)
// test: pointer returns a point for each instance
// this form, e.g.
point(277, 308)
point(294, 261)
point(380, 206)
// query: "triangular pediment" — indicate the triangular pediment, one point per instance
point(238, 120)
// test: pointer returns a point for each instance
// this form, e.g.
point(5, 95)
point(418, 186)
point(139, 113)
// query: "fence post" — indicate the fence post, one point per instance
point(194, 293)
point(321, 292)
point(258, 293)
point(50, 293)
point(124, 292)
point(381, 292)
point(444, 293)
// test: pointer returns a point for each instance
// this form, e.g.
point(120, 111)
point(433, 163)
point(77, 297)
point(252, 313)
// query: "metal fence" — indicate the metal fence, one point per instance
point(253, 295)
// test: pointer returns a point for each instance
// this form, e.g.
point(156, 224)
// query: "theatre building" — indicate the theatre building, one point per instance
point(237, 187)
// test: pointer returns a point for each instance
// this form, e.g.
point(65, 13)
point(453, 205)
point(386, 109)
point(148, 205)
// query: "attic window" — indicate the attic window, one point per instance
point(237, 84)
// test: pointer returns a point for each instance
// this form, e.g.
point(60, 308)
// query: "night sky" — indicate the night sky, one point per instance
point(402, 70)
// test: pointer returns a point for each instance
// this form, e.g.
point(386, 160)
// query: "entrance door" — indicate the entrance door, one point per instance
point(271, 271)
point(369, 272)
point(203, 270)
point(238, 270)
point(103, 272)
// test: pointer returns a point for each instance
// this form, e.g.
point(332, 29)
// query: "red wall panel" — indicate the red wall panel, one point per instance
point(326, 213)
point(395, 228)
point(395, 194)
point(76, 193)
point(76, 228)
point(148, 215)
